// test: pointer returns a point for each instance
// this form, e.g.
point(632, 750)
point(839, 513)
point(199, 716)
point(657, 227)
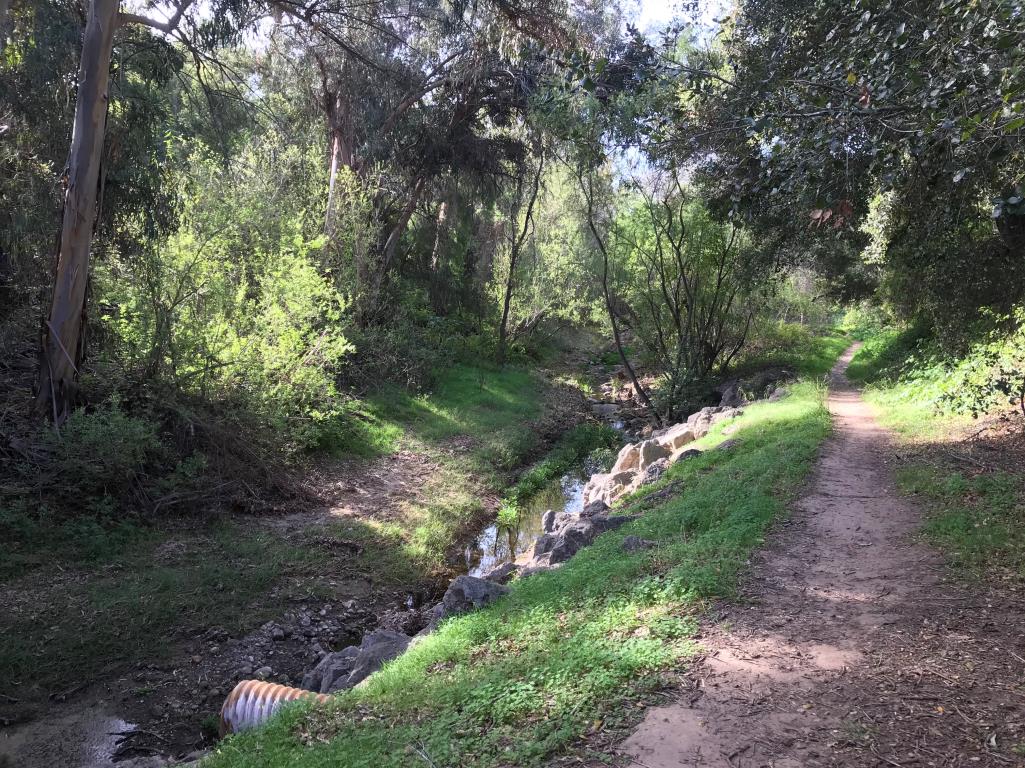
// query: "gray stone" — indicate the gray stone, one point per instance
point(468, 593)
point(500, 574)
point(636, 544)
point(331, 667)
point(731, 395)
point(351, 666)
point(263, 672)
point(628, 458)
point(654, 472)
point(598, 507)
point(547, 523)
point(676, 436)
point(685, 454)
point(378, 647)
point(727, 445)
point(604, 410)
point(779, 393)
point(558, 547)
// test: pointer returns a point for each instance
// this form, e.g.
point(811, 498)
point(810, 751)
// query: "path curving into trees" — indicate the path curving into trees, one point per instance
point(850, 648)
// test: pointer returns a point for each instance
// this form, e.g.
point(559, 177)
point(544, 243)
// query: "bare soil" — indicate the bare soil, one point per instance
point(852, 646)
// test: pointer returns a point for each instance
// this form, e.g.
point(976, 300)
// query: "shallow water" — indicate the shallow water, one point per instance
point(77, 738)
point(498, 544)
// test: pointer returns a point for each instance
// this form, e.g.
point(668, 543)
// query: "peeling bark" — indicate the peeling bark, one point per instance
point(62, 333)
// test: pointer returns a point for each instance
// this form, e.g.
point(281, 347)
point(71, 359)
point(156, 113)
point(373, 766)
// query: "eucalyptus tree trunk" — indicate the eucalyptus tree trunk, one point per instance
point(63, 329)
point(516, 243)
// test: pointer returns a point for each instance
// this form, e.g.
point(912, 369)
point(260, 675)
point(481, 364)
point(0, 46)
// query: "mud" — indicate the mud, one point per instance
point(851, 649)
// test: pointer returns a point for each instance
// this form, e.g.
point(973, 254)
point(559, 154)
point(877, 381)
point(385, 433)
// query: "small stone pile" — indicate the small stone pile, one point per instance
point(641, 463)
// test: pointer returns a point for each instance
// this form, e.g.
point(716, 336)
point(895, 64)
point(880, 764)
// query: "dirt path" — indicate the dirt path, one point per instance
point(850, 649)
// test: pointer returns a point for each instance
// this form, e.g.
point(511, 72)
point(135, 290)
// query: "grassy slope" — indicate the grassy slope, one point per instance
point(565, 654)
point(974, 516)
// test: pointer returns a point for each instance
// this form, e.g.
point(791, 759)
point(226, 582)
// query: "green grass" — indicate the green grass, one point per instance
point(495, 404)
point(977, 519)
point(141, 602)
point(791, 346)
point(566, 652)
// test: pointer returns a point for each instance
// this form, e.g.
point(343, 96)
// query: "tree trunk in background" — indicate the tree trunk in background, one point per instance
point(515, 248)
point(372, 299)
point(341, 156)
point(62, 335)
point(448, 210)
point(5, 8)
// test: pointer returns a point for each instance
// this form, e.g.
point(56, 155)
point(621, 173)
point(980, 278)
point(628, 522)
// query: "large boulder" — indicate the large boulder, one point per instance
point(598, 507)
point(628, 459)
point(686, 453)
point(606, 488)
point(558, 547)
point(351, 666)
point(676, 436)
point(594, 489)
point(468, 593)
point(500, 574)
point(651, 451)
point(731, 395)
point(702, 421)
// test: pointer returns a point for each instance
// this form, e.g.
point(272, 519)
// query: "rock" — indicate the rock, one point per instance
point(377, 648)
point(554, 548)
point(598, 507)
point(593, 489)
point(701, 421)
point(651, 451)
point(547, 524)
point(636, 544)
point(501, 574)
point(675, 437)
point(277, 633)
point(731, 395)
point(654, 472)
point(628, 459)
point(263, 672)
point(351, 666)
point(468, 593)
point(779, 393)
point(604, 410)
point(684, 454)
point(727, 445)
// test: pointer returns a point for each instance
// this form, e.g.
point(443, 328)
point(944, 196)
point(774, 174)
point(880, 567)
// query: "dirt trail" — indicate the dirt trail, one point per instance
point(851, 649)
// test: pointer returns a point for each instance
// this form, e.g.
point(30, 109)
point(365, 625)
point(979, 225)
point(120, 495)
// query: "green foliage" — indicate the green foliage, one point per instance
point(978, 519)
point(523, 680)
point(789, 345)
point(913, 364)
point(235, 306)
point(576, 445)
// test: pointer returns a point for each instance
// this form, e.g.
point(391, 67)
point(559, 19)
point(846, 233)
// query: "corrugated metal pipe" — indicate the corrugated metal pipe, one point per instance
point(252, 702)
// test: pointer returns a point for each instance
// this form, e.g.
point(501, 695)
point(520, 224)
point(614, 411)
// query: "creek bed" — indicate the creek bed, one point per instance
point(499, 544)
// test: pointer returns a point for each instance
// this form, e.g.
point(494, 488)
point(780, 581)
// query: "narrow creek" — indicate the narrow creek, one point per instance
point(499, 544)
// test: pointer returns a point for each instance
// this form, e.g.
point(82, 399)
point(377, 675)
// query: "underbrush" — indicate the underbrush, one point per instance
point(559, 660)
point(977, 519)
point(792, 346)
point(571, 451)
point(929, 398)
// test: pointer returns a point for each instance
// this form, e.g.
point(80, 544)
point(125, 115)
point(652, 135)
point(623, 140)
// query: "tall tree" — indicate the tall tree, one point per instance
point(63, 337)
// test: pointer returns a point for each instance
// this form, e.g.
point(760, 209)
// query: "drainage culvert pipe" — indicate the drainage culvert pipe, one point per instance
point(252, 702)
